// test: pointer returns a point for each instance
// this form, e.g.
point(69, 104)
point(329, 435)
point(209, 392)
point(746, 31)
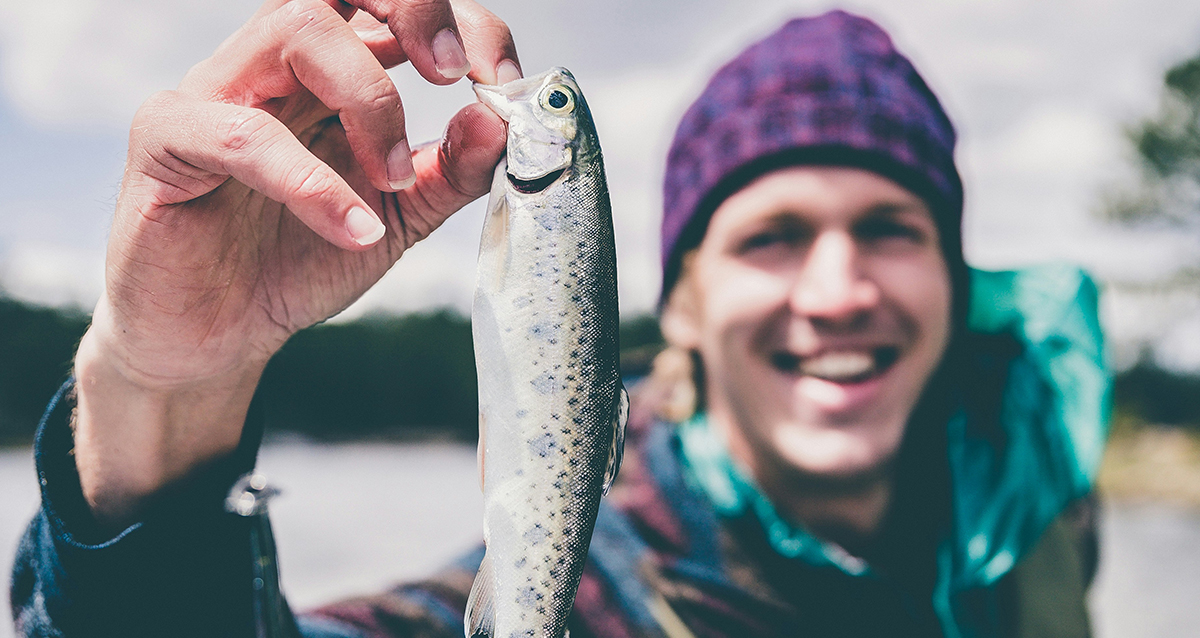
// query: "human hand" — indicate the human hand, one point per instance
point(265, 194)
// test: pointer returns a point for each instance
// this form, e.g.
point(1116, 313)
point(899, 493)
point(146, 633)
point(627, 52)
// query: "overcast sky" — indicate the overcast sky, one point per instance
point(1039, 92)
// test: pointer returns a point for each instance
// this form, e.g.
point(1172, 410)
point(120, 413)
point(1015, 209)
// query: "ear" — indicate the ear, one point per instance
point(680, 321)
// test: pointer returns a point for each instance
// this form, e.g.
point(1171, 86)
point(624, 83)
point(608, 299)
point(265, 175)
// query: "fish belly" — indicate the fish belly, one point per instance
point(546, 398)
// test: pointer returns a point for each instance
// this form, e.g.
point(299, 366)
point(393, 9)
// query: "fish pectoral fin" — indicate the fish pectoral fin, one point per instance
point(617, 451)
point(493, 243)
point(481, 604)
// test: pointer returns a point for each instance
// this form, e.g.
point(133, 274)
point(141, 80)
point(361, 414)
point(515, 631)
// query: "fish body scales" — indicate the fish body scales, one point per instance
point(545, 328)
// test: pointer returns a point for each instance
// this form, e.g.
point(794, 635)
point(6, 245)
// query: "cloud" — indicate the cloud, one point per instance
point(1058, 141)
point(1038, 92)
point(53, 275)
point(89, 63)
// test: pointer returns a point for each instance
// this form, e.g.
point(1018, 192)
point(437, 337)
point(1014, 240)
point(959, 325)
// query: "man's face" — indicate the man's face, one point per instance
point(819, 302)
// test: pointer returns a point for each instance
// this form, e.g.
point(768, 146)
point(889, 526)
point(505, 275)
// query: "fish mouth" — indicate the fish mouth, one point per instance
point(537, 185)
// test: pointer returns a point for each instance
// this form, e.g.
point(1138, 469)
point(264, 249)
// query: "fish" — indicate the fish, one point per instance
point(544, 321)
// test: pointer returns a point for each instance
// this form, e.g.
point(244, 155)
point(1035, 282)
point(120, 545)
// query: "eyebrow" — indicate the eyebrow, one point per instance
point(890, 209)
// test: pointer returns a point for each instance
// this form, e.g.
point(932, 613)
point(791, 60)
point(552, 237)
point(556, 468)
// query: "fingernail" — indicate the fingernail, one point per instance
point(364, 227)
point(448, 55)
point(506, 72)
point(400, 172)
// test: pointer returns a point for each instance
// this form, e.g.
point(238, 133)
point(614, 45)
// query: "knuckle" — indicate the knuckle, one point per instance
point(381, 97)
point(484, 25)
point(155, 107)
point(243, 130)
point(298, 15)
point(494, 31)
point(488, 23)
point(418, 11)
point(315, 182)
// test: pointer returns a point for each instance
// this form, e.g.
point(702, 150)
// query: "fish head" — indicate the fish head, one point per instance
point(546, 114)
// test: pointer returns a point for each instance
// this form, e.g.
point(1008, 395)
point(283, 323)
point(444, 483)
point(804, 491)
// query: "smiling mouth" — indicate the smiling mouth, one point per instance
point(534, 185)
point(848, 366)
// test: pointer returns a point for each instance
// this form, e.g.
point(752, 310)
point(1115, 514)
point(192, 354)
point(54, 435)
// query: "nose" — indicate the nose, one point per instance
point(831, 285)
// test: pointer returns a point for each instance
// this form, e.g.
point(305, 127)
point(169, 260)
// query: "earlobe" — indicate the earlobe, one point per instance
point(680, 320)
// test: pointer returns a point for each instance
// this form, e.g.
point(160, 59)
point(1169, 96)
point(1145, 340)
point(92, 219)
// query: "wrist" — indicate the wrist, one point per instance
point(135, 432)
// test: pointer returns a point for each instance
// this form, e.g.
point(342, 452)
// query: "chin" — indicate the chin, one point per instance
point(839, 453)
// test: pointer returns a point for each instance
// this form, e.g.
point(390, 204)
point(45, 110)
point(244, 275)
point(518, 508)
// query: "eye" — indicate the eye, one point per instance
point(883, 228)
point(558, 99)
point(785, 237)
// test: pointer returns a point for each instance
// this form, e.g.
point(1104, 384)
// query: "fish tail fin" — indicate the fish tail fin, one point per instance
point(481, 604)
point(617, 451)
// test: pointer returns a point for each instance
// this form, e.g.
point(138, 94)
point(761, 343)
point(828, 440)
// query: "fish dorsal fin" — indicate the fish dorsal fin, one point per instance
point(620, 417)
point(481, 604)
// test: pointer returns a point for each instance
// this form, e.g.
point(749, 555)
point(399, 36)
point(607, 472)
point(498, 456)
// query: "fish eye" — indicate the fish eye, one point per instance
point(557, 98)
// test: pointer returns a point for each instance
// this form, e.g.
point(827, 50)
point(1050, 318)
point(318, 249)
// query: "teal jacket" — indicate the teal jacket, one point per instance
point(1010, 476)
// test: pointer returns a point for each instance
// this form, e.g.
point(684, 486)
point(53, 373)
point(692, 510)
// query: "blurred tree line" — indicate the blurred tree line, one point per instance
point(380, 376)
point(1165, 191)
point(403, 376)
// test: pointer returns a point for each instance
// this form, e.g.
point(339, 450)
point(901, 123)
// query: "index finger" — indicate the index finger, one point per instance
point(427, 34)
point(488, 41)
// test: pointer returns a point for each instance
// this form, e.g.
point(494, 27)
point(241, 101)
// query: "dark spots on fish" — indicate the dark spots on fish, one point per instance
point(543, 445)
point(545, 383)
point(522, 413)
point(520, 562)
point(546, 330)
point(528, 597)
point(547, 219)
point(536, 534)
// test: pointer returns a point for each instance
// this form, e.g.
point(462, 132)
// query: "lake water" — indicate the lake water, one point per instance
point(354, 518)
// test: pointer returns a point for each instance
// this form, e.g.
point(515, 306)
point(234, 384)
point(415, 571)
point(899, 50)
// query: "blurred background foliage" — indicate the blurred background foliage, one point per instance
point(1166, 189)
point(409, 376)
point(381, 376)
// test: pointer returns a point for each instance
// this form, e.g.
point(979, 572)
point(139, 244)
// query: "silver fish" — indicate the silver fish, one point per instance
point(551, 402)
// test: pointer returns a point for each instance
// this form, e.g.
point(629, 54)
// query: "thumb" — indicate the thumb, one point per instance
point(453, 173)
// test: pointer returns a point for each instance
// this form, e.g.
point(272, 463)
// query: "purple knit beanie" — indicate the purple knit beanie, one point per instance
point(829, 90)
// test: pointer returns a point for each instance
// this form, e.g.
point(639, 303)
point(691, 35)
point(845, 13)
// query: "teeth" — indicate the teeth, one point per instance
point(838, 366)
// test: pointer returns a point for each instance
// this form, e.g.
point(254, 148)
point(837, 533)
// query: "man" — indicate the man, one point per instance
point(882, 442)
